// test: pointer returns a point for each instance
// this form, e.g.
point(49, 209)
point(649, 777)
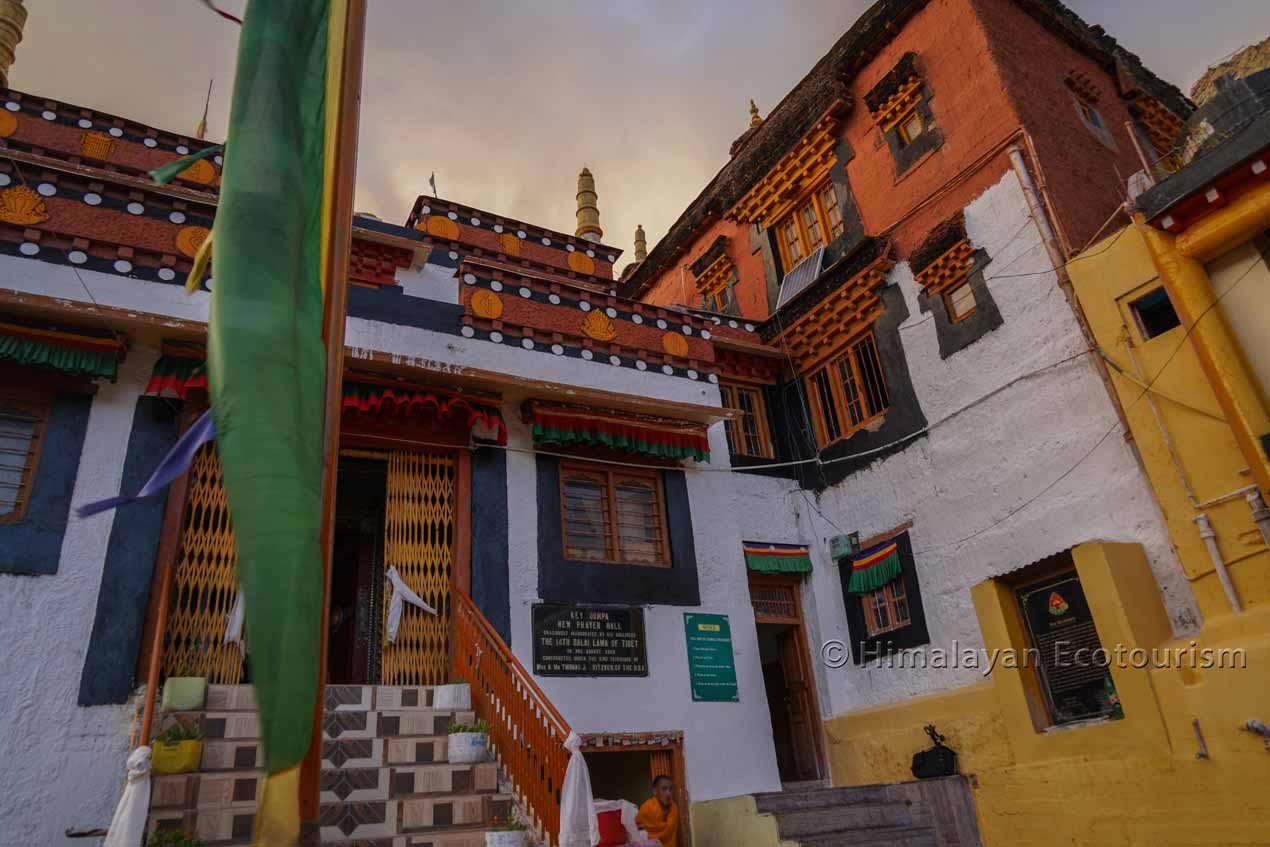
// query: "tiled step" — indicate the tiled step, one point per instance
point(410, 815)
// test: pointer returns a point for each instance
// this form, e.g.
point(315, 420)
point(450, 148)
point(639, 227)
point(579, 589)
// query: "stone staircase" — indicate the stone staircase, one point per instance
point(929, 813)
point(386, 781)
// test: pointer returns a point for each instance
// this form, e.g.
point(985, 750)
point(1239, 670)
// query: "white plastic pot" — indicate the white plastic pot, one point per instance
point(506, 839)
point(467, 747)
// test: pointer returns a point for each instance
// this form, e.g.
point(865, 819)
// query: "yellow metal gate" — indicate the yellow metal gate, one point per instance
point(419, 543)
point(205, 582)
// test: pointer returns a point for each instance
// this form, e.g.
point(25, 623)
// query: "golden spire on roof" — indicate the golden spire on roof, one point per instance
point(641, 244)
point(12, 19)
point(588, 213)
point(755, 120)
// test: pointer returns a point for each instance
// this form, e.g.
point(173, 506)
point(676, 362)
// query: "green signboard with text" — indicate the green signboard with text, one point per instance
point(711, 667)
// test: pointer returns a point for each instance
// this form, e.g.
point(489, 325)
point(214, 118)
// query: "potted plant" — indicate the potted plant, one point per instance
point(173, 838)
point(179, 749)
point(185, 691)
point(468, 744)
point(507, 832)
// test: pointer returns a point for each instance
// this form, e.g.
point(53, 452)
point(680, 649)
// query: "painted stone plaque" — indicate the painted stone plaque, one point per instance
point(589, 641)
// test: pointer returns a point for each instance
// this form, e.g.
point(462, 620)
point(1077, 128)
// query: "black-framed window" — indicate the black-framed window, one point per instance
point(563, 578)
point(889, 618)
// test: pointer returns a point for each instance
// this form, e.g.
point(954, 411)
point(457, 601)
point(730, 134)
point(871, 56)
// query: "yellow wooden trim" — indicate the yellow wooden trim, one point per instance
point(899, 104)
point(806, 164)
point(715, 278)
point(949, 269)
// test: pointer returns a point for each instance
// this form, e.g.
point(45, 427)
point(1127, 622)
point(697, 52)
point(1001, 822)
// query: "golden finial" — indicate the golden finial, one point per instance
point(588, 212)
point(641, 243)
point(12, 20)
point(755, 120)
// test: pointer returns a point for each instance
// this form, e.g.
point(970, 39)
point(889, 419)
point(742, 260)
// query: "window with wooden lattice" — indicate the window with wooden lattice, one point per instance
point(848, 392)
point(23, 417)
point(814, 221)
point(748, 434)
point(889, 617)
point(886, 609)
point(613, 516)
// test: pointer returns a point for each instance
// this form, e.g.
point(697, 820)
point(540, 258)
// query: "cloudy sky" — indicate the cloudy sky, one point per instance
point(507, 100)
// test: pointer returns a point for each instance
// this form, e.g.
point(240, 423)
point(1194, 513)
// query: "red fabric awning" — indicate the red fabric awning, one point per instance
point(485, 421)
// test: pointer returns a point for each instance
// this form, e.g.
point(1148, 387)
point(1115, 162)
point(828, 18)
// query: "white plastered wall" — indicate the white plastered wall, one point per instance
point(63, 765)
point(1037, 467)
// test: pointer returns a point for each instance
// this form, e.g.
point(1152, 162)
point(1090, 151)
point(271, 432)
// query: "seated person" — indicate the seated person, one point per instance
point(658, 816)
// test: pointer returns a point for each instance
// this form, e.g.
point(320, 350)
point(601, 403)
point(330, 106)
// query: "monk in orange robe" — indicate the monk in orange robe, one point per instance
point(658, 816)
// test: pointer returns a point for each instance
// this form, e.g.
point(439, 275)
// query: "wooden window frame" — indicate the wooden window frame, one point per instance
point(849, 415)
point(729, 393)
point(610, 478)
point(948, 302)
point(889, 596)
point(901, 127)
point(39, 406)
point(813, 200)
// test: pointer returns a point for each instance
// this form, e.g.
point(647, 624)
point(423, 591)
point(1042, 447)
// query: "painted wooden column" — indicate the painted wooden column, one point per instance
point(1191, 291)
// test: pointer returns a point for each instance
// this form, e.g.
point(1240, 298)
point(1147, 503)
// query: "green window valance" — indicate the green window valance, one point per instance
point(563, 426)
point(777, 558)
point(70, 352)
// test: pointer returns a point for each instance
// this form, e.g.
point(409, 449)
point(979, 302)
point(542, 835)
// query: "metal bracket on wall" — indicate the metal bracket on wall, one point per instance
point(1202, 753)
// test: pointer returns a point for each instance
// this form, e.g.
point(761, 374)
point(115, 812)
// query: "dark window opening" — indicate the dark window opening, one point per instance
point(1154, 314)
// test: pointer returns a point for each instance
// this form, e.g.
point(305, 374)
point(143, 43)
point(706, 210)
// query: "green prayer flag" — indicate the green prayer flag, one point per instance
point(266, 359)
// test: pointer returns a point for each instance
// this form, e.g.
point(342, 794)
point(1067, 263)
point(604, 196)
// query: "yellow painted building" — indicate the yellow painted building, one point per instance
point(1178, 302)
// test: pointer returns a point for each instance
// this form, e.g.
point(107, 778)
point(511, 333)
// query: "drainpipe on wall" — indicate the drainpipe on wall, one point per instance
point(1039, 214)
point(1219, 564)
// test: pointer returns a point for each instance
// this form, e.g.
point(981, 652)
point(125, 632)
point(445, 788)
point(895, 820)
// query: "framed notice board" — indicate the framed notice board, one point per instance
point(711, 666)
point(589, 641)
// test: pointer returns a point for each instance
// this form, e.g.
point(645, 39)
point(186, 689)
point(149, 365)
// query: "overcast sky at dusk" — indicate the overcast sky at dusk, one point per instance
point(506, 101)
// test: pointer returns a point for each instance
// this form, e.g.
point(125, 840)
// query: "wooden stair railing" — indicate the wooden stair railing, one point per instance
point(526, 732)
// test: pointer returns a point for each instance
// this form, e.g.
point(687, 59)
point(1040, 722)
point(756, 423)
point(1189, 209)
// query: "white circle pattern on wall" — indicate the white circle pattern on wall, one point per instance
point(525, 292)
point(182, 149)
point(661, 324)
point(520, 233)
point(92, 199)
point(714, 378)
point(167, 274)
point(467, 332)
point(667, 370)
point(553, 299)
point(454, 216)
point(123, 266)
point(454, 256)
point(177, 217)
point(527, 343)
point(13, 107)
point(569, 247)
point(85, 123)
point(116, 132)
point(590, 253)
point(705, 334)
point(641, 364)
point(496, 337)
point(77, 257)
point(498, 228)
point(495, 285)
point(475, 221)
point(692, 374)
point(558, 349)
point(584, 305)
point(48, 116)
point(470, 279)
point(47, 189)
point(611, 312)
point(615, 360)
point(587, 354)
point(546, 242)
point(637, 318)
point(136, 209)
point(28, 248)
point(4, 180)
point(149, 142)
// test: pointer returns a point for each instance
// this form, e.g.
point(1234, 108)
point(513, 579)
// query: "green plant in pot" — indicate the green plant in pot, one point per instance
point(172, 838)
point(507, 832)
point(468, 743)
point(186, 690)
point(178, 749)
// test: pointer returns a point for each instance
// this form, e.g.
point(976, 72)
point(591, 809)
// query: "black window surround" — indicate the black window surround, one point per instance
point(865, 647)
point(562, 580)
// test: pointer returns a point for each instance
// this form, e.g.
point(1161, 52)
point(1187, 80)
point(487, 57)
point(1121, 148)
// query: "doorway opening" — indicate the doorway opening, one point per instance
point(788, 678)
point(357, 573)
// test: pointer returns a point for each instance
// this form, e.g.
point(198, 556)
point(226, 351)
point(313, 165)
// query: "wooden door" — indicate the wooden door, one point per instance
point(803, 721)
point(775, 600)
point(419, 541)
